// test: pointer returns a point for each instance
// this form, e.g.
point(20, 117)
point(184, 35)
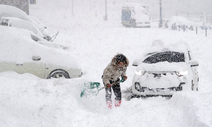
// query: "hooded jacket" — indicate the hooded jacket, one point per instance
point(112, 72)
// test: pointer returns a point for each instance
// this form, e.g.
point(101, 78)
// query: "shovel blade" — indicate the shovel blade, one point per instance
point(90, 89)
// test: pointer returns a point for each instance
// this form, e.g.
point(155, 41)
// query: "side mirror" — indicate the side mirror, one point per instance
point(4, 21)
point(36, 58)
point(194, 63)
point(135, 62)
point(35, 38)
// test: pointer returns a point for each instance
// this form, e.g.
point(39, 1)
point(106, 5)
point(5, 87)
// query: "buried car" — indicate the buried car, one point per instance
point(22, 54)
point(165, 69)
point(14, 17)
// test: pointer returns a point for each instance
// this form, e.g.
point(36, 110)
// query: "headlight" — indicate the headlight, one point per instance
point(182, 73)
point(137, 86)
point(139, 71)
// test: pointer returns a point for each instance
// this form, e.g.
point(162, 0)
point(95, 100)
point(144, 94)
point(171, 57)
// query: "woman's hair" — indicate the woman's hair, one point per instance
point(120, 58)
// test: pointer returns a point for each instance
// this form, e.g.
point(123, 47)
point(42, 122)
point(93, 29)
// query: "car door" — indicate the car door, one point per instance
point(29, 59)
point(7, 58)
point(7, 66)
point(35, 66)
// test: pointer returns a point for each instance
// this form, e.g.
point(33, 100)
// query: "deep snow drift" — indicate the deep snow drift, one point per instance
point(26, 100)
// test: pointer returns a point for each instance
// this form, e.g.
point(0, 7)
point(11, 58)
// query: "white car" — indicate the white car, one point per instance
point(14, 17)
point(165, 69)
point(135, 15)
point(20, 53)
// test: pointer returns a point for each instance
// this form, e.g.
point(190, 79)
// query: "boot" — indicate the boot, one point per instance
point(109, 104)
point(117, 103)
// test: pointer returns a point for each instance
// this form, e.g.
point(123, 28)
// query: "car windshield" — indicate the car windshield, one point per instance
point(168, 56)
point(126, 14)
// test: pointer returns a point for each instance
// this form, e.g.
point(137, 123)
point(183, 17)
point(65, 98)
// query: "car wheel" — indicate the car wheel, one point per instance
point(132, 23)
point(58, 74)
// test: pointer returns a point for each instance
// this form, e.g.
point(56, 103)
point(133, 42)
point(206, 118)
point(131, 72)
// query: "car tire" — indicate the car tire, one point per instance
point(133, 24)
point(58, 74)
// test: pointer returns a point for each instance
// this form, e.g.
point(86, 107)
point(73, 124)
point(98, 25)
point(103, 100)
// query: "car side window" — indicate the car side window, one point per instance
point(35, 38)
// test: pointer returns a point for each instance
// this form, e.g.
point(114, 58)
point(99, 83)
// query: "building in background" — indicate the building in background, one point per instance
point(21, 4)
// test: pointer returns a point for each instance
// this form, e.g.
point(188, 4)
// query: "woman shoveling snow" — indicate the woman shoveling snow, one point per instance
point(115, 69)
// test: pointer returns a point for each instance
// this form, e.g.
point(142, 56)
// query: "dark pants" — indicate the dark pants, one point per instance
point(116, 89)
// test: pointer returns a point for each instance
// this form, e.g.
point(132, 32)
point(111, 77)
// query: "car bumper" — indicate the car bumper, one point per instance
point(145, 91)
point(143, 24)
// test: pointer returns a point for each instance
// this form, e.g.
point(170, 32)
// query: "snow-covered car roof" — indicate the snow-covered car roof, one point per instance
point(135, 5)
point(23, 24)
point(10, 11)
point(17, 44)
point(178, 50)
point(159, 46)
point(14, 13)
point(140, 9)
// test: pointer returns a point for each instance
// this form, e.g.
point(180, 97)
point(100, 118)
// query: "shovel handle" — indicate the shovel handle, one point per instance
point(111, 85)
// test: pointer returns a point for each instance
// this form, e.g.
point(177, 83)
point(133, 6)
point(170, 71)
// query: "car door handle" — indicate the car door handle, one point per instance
point(36, 58)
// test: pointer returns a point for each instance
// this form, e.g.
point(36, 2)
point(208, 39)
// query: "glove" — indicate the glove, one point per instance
point(124, 78)
point(108, 85)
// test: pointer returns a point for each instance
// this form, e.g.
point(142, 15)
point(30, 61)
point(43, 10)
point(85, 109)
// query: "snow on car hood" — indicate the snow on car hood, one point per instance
point(159, 45)
point(163, 66)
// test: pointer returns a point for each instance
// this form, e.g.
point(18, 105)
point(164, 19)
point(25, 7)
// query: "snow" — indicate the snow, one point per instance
point(28, 48)
point(26, 100)
point(13, 12)
point(164, 66)
point(158, 45)
point(179, 20)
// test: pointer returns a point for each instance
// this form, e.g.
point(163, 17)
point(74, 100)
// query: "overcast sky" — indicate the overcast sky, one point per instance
point(191, 8)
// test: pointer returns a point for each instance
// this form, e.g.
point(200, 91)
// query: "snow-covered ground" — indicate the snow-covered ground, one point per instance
point(28, 101)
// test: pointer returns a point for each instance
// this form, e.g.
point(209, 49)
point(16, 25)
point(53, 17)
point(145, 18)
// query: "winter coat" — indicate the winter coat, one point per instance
point(112, 72)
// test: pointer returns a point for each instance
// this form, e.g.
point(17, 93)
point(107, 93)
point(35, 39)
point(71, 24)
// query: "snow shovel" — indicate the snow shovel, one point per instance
point(92, 88)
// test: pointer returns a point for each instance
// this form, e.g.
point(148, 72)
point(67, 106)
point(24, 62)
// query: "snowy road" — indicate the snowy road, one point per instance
point(132, 42)
point(39, 102)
